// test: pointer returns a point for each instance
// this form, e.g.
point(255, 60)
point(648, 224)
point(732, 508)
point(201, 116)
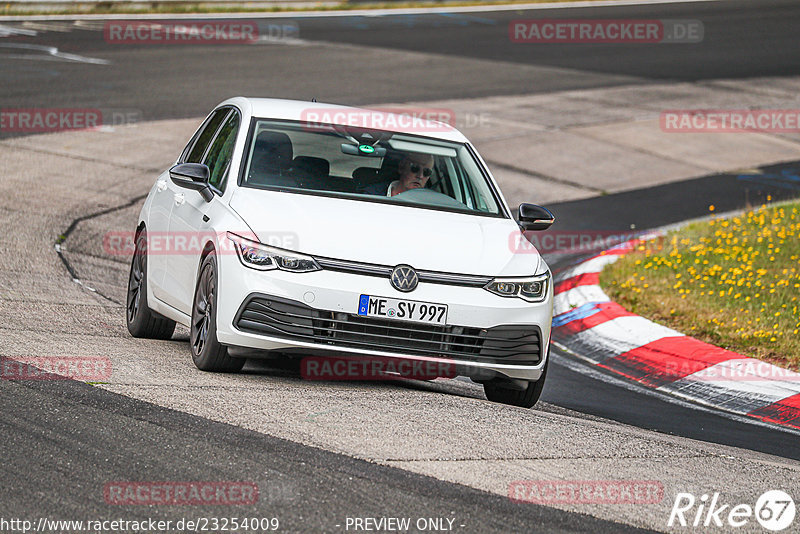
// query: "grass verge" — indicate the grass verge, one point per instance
point(731, 282)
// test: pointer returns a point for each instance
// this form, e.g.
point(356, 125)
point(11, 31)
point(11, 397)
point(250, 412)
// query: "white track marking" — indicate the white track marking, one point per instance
point(62, 27)
point(89, 24)
point(52, 52)
point(5, 31)
point(267, 40)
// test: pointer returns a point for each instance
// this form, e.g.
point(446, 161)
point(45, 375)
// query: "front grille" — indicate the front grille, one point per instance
point(385, 271)
point(277, 317)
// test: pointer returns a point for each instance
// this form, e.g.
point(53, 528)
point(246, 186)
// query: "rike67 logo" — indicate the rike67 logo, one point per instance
point(774, 510)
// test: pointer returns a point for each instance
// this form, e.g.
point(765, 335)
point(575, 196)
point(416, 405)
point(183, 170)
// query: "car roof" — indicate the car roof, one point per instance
point(412, 122)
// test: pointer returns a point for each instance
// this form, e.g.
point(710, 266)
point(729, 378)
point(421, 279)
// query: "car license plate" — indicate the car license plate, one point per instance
point(404, 310)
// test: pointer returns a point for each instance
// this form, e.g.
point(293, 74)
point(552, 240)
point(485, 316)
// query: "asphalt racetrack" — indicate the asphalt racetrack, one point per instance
point(321, 453)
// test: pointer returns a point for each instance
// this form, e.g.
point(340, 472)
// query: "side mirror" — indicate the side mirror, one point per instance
point(533, 217)
point(192, 176)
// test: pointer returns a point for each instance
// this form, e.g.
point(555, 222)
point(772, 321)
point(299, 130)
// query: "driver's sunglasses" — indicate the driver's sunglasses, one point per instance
point(426, 172)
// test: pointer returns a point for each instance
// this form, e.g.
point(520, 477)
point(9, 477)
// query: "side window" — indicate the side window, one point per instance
point(205, 136)
point(218, 159)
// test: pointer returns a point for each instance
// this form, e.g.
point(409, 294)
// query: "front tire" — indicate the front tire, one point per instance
point(498, 391)
point(207, 352)
point(143, 322)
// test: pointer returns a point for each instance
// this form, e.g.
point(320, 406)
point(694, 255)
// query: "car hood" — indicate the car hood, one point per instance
point(385, 234)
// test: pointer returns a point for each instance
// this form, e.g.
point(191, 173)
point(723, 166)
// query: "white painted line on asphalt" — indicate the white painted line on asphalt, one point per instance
point(61, 27)
point(89, 24)
point(5, 31)
point(50, 51)
point(9, 30)
point(365, 12)
point(268, 40)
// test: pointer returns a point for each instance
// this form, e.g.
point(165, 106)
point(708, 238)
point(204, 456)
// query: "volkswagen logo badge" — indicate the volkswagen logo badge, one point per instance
point(404, 278)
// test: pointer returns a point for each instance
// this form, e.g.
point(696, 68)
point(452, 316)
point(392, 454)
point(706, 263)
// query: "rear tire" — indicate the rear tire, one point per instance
point(143, 322)
point(496, 391)
point(207, 352)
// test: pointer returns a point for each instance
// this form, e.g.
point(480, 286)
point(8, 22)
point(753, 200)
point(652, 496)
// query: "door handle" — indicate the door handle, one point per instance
point(161, 185)
point(179, 199)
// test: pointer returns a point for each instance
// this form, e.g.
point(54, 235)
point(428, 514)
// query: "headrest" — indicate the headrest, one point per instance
point(312, 166)
point(274, 149)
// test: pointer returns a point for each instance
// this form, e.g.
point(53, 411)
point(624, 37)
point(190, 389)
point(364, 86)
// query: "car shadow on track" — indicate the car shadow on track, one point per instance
point(281, 365)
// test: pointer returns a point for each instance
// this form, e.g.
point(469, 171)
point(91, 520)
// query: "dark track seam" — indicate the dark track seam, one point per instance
point(544, 177)
point(75, 157)
point(63, 237)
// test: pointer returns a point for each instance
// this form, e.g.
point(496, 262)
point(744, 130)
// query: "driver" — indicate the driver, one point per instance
point(413, 172)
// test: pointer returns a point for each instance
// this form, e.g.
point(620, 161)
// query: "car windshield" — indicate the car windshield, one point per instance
point(367, 165)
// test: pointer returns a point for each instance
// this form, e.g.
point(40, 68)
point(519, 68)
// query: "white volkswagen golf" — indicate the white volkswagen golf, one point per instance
point(312, 229)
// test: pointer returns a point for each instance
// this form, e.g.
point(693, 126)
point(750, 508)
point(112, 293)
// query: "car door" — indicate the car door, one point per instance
point(190, 213)
point(157, 228)
point(167, 193)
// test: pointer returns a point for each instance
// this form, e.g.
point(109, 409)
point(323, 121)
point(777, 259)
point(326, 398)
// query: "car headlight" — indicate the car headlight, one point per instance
point(531, 289)
point(264, 258)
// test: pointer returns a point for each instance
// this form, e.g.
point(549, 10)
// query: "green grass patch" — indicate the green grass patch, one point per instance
point(731, 282)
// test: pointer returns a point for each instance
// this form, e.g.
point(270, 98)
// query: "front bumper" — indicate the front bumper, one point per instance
point(486, 336)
